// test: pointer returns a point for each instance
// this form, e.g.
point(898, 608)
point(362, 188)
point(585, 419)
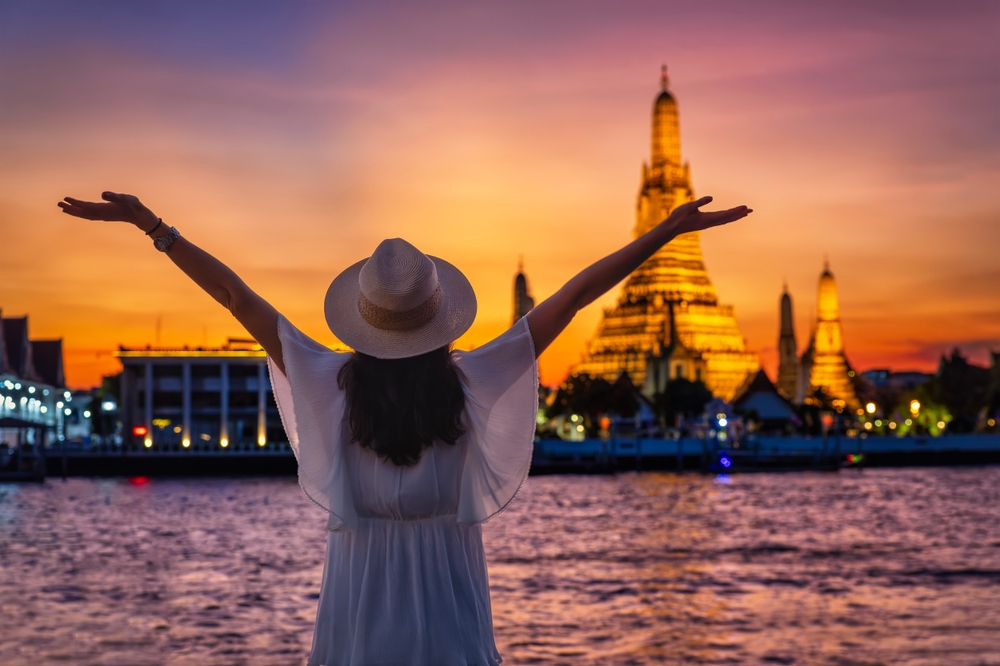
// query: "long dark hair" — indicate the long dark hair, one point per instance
point(399, 407)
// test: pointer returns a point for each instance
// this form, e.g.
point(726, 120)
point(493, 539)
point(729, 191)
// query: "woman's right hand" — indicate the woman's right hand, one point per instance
point(118, 208)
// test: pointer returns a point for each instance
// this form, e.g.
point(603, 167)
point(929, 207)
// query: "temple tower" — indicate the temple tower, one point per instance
point(674, 277)
point(824, 362)
point(788, 357)
point(523, 302)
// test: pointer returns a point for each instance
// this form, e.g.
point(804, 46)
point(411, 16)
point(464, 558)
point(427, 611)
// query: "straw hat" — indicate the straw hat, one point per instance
point(399, 302)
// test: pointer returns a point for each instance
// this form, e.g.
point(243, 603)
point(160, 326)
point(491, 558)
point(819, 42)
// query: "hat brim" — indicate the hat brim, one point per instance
point(453, 318)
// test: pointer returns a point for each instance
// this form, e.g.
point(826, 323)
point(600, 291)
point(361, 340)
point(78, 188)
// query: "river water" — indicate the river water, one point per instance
point(856, 567)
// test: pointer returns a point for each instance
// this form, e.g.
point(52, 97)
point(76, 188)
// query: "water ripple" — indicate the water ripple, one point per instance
point(863, 567)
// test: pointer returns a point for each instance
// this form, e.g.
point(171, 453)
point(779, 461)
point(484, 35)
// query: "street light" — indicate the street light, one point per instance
point(870, 408)
point(915, 407)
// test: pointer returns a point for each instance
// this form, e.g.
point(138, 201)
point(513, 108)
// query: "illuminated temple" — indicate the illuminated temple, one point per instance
point(824, 364)
point(668, 322)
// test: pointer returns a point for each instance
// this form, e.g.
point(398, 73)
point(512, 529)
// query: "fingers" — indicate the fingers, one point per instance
point(89, 210)
point(701, 202)
point(126, 199)
point(75, 211)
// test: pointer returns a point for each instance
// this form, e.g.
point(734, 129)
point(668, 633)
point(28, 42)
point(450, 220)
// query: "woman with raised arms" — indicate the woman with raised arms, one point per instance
point(407, 444)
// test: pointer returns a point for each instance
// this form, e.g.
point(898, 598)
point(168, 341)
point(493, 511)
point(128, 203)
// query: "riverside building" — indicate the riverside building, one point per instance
point(34, 401)
point(198, 398)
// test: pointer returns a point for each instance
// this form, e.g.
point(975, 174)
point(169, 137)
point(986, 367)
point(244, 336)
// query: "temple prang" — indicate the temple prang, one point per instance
point(670, 292)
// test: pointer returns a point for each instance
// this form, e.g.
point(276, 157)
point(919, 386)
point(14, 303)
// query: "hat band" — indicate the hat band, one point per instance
point(391, 320)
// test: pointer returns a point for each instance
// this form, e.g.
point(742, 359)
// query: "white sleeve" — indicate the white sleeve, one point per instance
point(312, 406)
point(500, 380)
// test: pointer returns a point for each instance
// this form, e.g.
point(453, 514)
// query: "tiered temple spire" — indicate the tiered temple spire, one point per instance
point(824, 365)
point(632, 336)
point(788, 356)
point(523, 301)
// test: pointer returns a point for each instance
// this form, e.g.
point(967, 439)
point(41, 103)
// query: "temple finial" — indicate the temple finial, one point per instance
point(520, 263)
point(664, 79)
point(784, 285)
point(826, 262)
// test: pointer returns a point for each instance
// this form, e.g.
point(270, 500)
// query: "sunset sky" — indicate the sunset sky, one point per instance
point(288, 138)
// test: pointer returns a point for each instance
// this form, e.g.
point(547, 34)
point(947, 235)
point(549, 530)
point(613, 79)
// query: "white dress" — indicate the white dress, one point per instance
point(405, 579)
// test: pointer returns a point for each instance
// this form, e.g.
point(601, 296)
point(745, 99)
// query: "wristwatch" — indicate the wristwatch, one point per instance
point(164, 242)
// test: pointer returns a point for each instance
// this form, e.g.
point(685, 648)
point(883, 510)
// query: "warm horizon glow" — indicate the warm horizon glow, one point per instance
point(290, 139)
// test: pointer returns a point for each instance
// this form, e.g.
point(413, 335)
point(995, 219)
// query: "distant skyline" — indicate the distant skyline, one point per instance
point(289, 138)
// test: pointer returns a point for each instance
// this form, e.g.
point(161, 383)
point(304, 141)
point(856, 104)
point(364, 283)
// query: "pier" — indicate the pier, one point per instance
point(554, 456)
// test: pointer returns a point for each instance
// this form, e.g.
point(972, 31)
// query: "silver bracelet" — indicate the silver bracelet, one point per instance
point(164, 242)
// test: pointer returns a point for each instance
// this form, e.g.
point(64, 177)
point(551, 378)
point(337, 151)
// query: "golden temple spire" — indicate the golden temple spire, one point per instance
point(825, 359)
point(666, 148)
point(668, 315)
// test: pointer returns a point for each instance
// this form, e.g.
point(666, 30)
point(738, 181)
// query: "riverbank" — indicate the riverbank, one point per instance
point(563, 457)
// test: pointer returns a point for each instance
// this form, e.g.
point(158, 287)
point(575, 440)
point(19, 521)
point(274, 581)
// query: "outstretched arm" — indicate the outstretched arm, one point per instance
point(554, 313)
point(257, 315)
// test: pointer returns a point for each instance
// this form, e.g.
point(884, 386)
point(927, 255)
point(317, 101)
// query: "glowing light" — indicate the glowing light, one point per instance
point(177, 428)
point(140, 431)
point(855, 458)
point(86, 413)
point(723, 423)
point(574, 418)
point(861, 412)
point(725, 462)
point(67, 411)
point(892, 425)
point(262, 441)
point(148, 442)
point(161, 423)
point(878, 423)
point(138, 480)
point(31, 389)
point(67, 395)
point(991, 422)
point(108, 405)
point(941, 425)
point(17, 385)
point(186, 442)
point(914, 407)
point(60, 404)
point(908, 422)
point(44, 409)
point(205, 436)
point(579, 428)
point(870, 408)
point(223, 442)
point(868, 426)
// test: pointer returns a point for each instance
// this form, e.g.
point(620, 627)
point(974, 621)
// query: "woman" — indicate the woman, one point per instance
point(407, 445)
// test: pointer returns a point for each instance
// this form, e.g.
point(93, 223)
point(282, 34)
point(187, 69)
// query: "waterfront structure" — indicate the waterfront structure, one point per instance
point(772, 411)
point(200, 398)
point(824, 365)
point(33, 395)
point(788, 350)
point(523, 301)
point(668, 305)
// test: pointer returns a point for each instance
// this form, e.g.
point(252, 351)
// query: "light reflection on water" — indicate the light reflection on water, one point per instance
point(860, 567)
